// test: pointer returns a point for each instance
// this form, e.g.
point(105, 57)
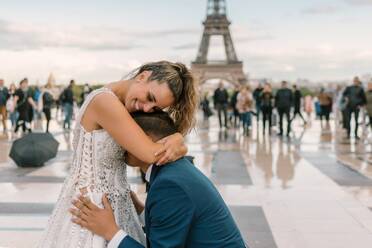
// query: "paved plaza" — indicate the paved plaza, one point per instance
point(312, 191)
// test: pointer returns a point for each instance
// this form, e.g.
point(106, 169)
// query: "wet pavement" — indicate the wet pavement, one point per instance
point(313, 190)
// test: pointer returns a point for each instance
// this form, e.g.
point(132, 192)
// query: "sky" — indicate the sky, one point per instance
point(101, 41)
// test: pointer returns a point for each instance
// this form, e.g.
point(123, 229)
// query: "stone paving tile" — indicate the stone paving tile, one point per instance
point(25, 208)
point(228, 167)
point(340, 173)
point(253, 226)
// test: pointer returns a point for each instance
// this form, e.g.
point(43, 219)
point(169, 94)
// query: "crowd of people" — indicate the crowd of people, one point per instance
point(23, 105)
point(284, 105)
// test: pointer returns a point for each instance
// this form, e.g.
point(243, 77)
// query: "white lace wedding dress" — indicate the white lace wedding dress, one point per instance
point(97, 166)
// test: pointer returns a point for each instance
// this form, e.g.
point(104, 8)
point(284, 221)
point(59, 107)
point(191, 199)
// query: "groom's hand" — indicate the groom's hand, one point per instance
point(97, 220)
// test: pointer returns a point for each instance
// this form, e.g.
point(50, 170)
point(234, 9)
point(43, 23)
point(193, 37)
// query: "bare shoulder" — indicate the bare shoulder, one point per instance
point(107, 102)
point(103, 105)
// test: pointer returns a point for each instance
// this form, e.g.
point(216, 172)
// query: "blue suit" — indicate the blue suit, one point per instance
point(184, 209)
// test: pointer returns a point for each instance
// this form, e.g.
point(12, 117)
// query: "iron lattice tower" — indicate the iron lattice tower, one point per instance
point(217, 24)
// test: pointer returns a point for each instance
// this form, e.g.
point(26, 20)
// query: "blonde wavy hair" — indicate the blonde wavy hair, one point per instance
point(183, 87)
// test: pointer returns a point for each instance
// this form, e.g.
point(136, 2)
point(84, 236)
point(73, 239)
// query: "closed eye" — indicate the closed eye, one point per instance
point(151, 97)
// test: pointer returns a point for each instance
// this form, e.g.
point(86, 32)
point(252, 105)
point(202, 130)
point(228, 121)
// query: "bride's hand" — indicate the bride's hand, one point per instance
point(174, 148)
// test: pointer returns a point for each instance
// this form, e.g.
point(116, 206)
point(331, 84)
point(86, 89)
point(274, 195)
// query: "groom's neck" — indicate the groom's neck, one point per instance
point(144, 168)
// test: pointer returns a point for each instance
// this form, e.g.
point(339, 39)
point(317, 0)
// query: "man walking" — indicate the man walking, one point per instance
point(257, 98)
point(283, 102)
point(4, 95)
point(355, 99)
point(233, 101)
point(67, 101)
point(297, 96)
point(221, 100)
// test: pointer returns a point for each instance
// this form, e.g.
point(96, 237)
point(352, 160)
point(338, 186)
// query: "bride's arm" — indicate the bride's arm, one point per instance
point(111, 115)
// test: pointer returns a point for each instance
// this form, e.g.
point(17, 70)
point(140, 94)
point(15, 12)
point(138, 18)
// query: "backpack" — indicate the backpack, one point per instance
point(47, 99)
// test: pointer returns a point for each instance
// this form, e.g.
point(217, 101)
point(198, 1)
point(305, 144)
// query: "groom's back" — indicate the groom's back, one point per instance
point(212, 224)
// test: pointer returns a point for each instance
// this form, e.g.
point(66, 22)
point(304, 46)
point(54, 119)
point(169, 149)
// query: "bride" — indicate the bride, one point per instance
point(104, 128)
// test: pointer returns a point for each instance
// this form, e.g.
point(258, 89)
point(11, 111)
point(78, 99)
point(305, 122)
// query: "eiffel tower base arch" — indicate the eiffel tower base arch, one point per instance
point(232, 72)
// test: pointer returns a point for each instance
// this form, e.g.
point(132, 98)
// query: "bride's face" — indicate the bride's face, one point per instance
point(146, 96)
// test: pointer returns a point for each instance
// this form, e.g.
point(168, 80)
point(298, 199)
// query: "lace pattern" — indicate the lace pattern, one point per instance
point(98, 165)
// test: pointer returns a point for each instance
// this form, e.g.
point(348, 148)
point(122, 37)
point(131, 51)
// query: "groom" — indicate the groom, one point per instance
point(183, 208)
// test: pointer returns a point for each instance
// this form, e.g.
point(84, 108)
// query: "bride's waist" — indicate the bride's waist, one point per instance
point(95, 194)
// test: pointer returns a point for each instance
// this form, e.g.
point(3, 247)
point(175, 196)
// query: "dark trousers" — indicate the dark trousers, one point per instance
point(47, 117)
point(266, 116)
point(258, 110)
point(344, 118)
point(22, 120)
point(286, 112)
point(236, 117)
point(370, 121)
point(296, 112)
point(222, 108)
point(349, 113)
point(325, 111)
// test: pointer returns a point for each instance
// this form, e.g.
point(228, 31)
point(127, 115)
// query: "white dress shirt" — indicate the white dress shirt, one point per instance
point(120, 235)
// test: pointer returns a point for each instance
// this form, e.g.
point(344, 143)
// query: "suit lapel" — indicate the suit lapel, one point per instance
point(154, 172)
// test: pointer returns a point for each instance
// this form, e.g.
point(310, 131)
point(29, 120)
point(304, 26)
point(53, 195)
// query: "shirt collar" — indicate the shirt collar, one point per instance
point(148, 174)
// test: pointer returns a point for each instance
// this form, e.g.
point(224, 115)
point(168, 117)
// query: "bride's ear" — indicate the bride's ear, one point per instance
point(143, 77)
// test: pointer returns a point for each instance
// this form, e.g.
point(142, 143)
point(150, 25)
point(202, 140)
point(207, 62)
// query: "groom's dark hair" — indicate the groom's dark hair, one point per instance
point(157, 123)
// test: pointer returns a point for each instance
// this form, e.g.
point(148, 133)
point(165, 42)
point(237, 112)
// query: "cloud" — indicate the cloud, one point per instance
point(21, 36)
point(320, 10)
point(187, 46)
point(24, 36)
point(359, 2)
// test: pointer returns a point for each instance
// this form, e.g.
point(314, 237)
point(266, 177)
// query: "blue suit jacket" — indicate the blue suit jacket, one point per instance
point(184, 209)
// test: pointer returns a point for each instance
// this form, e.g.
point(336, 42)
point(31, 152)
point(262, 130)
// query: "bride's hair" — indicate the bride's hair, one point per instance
point(184, 89)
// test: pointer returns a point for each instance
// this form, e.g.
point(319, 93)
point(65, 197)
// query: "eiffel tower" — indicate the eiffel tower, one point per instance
point(230, 69)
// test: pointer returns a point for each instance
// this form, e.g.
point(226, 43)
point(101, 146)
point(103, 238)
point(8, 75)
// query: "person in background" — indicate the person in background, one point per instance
point(297, 97)
point(36, 97)
point(46, 102)
point(369, 102)
point(13, 114)
point(266, 99)
point(4, 96)
point(283, 103)
point(67, 101)
point(355, 100)
point(257, 98)
point(244, 106)
point(233, 101)
point(308, 106)
point(220, 101)
point(207, 112)
point(325, 101)
point(339, 107)
point(24, 103)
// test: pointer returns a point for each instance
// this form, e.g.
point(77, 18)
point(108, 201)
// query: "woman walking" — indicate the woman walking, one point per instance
point(244, 106)
point(325, 101)
point(267, 106)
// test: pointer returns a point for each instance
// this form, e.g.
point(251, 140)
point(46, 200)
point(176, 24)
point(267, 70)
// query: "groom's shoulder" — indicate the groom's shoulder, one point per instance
point(179, 167)
point(181, 172)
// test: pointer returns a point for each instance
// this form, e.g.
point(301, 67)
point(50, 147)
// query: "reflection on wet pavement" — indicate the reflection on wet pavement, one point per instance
point(313, 189)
